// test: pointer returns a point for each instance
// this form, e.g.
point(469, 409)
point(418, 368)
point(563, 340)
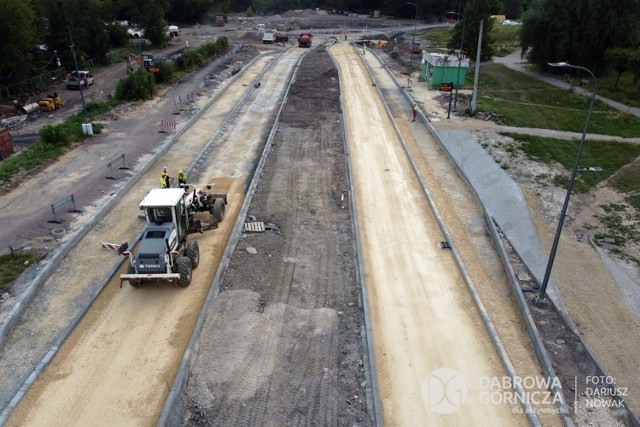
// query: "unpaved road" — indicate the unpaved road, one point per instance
point(128, 351)
point(282, 342)
point(421, 310)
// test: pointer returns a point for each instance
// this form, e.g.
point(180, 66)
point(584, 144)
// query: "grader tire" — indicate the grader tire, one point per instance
point(218, 209)
point(135, 283)
point(193, 253)
point(184, 269)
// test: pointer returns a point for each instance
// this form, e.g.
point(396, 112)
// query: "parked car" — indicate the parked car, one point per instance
point(77, 78)
point(135, 33)
point(509, 22)
point(172, 31)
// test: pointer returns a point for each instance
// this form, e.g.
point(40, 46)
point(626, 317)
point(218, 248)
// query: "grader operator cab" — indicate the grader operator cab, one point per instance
point(164, 253)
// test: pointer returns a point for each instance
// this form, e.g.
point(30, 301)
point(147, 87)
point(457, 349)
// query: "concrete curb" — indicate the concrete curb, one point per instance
point(504, 357)
point(68, 246)
point(172, 411)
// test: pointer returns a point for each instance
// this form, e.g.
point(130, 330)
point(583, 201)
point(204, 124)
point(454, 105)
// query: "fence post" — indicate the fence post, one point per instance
point(115, 160)
point(56, 206)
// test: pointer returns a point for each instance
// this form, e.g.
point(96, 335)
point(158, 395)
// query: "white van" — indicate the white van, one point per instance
point(261, 27)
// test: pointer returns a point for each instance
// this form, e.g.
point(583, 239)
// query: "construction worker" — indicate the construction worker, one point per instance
point(414, 112)
point(182, 178)
point(364, 49)
point(164, 179)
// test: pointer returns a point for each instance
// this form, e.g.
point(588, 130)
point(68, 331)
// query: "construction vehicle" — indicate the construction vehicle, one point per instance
point(305, 39)
point(273, 36)
point(50, 103)
point(164, 253)
point(269, 36)
point(144, 60)
point(172, 31)
point(415, 47)
point(46, 105)
point(220, 20)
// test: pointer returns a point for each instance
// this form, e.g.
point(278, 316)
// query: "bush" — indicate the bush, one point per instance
point(54, 135)
point(136, 86)
point(167, 69)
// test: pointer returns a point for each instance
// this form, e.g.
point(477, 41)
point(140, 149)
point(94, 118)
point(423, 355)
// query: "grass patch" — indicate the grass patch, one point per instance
point(438, 38)
point(70, 132)
point(628, 179)
point(626, 92)
point(610, 156)
point(634, 201)
point(527, 102)
point(11, 268)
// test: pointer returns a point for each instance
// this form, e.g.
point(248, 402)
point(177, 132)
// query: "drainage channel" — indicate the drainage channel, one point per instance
point(67, 247)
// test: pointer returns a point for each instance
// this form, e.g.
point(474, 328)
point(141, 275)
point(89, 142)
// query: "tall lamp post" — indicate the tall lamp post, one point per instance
point(413, 40)
point(542, 296)
point(460, 16)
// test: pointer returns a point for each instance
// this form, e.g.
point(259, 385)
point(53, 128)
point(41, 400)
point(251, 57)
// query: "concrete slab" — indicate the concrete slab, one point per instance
point(504, 200)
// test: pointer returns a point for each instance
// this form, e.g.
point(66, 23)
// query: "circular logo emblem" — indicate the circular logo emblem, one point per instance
point(444, 390)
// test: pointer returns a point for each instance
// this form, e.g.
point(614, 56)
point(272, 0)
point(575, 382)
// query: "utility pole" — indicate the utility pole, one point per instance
point(75, 60)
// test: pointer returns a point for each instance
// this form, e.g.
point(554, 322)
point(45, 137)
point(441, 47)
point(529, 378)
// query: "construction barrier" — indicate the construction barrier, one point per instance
point(177, 103)
point(57, 206)
point(168, 127)
point(114, 161)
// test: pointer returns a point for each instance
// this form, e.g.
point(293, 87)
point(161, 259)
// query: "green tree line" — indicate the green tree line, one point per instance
point(580, 32)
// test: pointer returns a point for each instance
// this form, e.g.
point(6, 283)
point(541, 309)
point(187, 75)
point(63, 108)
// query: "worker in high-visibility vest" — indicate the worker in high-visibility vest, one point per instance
point(164, 179)
point(182, 178)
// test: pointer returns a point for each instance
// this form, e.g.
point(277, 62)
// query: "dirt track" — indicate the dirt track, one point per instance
point(421, 309)
point(282, 342)
point(129, 335)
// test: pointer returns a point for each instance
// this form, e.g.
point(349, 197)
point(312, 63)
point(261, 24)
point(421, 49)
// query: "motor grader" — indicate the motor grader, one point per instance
point(164, 252)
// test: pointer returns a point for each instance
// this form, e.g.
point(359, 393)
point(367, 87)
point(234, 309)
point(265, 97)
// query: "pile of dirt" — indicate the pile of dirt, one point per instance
point(305, 13)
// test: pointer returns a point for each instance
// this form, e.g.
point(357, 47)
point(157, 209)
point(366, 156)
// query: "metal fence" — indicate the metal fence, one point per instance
point(38, 84)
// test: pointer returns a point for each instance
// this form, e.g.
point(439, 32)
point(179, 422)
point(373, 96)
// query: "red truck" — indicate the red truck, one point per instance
point(305, 39)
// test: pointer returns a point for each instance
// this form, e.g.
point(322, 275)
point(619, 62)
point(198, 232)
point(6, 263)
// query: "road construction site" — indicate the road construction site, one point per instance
point(375, 280)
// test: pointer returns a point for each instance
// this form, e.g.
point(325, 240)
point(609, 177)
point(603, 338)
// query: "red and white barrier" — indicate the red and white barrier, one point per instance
point(168, 127)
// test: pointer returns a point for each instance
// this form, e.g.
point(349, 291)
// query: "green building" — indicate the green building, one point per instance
point(439, 68)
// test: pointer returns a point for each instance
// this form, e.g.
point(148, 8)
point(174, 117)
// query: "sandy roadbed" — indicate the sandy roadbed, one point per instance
point(422, 316)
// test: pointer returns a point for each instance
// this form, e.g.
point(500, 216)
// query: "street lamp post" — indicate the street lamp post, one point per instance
point(413, 40)
point(541, 297)
point(460, 16)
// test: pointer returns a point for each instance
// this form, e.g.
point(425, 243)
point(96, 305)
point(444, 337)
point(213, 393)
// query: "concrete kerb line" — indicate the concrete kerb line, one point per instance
point(373, 394)
point(59, 254)
point(497, 343)
point(539, 348)
point(532, 330)
point(172, 408)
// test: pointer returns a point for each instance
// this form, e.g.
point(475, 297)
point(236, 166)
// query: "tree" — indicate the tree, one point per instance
point(578, 32)
point(474, 12)
point(634, 65)
point(19, 40)
point(190, 11)
point(618, 60)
